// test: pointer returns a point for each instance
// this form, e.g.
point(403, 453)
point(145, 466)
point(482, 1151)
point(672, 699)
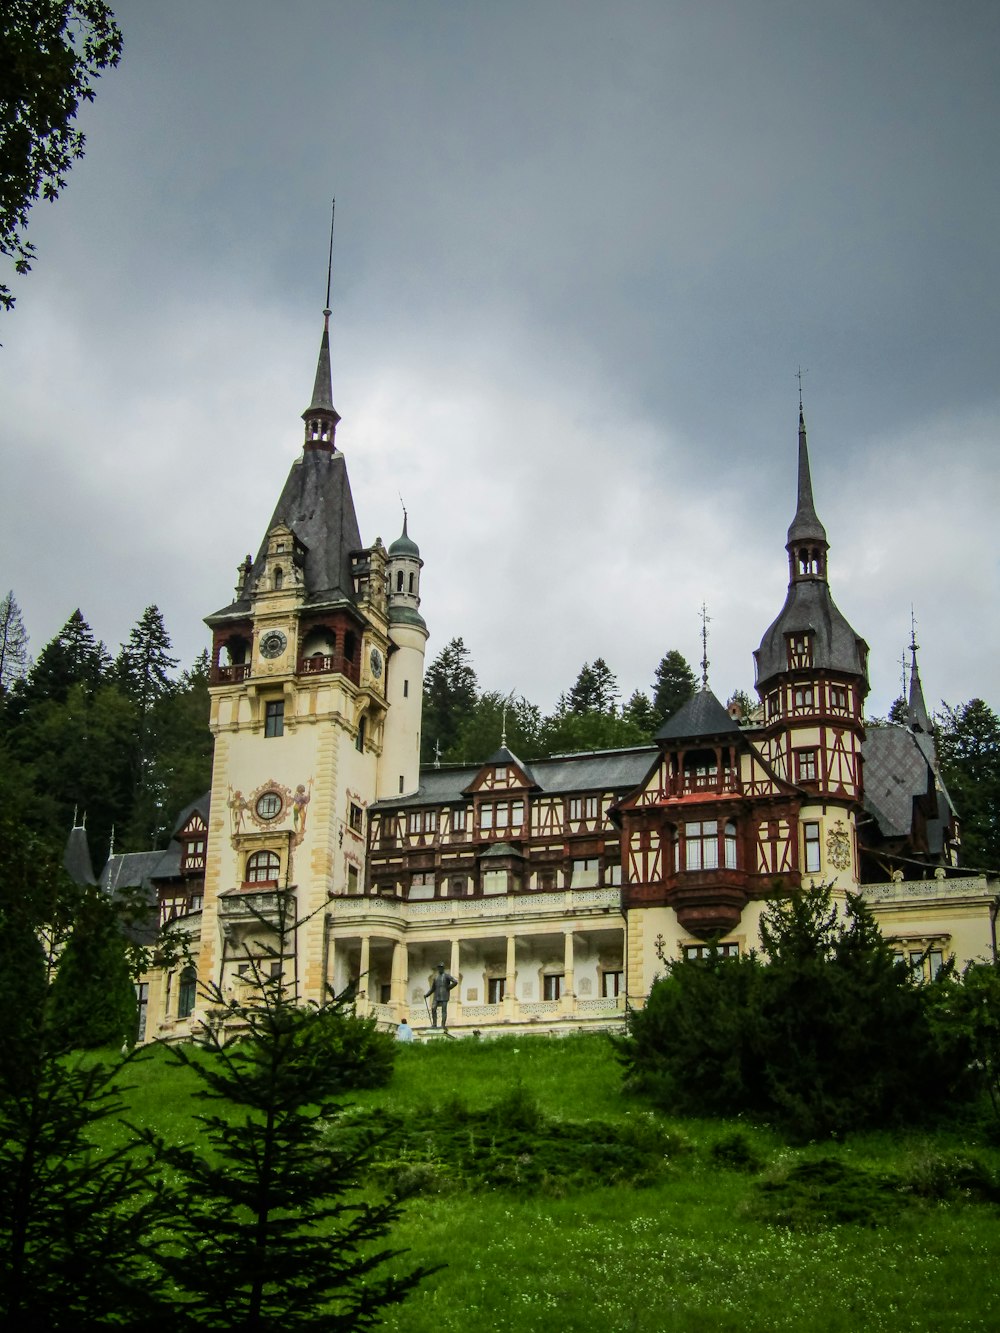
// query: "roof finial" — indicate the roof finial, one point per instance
point(403, 507)
point(916, 710)
point(705, 618)
point(111, 843)
point(329, 265)
point(798, 375)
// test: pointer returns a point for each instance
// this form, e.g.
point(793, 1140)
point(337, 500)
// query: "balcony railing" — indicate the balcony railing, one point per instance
point(540, 903)
point(231, 673)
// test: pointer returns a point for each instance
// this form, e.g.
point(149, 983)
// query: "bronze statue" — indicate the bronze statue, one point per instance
point(442, 984)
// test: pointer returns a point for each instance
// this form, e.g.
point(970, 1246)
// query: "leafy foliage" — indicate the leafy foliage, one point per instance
point(968, 743)
point(73, 1221)
point(830, 1034)
point(93, 999)
point(51, 52)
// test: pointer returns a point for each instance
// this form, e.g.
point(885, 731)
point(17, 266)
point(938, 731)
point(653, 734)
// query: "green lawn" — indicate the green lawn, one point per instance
point(497, 1139)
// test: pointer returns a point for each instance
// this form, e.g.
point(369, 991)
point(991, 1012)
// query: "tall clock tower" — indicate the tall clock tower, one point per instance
point(300, 714)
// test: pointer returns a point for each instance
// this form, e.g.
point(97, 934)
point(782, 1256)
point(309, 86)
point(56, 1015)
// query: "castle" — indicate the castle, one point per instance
point(552, 890)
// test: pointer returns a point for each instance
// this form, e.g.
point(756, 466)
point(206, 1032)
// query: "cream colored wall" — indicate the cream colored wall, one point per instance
point(833, 820)
point(401, 746)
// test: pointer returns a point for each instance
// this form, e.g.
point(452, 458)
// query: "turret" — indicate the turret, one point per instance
point(399, 769)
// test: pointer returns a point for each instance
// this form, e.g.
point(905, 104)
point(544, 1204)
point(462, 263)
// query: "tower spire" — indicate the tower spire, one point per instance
point(321, 417)
point(705, 618)
point(806, 545)
point(916, 710)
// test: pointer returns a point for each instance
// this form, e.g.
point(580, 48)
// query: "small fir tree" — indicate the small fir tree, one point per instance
point(673, 685)
point(271, 1231)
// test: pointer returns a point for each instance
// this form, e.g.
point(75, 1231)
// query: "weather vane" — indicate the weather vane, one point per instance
point(798, 375)
point(705, 618)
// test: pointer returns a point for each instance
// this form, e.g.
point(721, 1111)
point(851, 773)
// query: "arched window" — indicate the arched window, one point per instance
point(187, 991)
point(279, 578)
point(413, 583)
point(399, 580)
point(263, 868)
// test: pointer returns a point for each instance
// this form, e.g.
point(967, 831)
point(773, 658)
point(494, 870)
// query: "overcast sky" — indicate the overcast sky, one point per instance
point(581, 250)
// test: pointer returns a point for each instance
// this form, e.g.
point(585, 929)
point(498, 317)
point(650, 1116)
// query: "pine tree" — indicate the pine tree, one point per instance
point(14, 660)
point(144, 664)
point(73, 657)
point(639, 710)
point(75, 1221)
point(450, 693)
point(271, 1231)
point(482, 729)
point(595, 689)
point(93, 997)
point(673, 685)
point(968, 742)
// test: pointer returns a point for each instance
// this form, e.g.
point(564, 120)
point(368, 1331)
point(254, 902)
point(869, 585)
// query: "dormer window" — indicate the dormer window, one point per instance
point(800, 650)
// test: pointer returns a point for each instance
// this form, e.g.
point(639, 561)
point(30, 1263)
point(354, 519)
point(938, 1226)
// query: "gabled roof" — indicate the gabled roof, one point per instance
point(600, 770)
point(899, 770)
point(701, 715)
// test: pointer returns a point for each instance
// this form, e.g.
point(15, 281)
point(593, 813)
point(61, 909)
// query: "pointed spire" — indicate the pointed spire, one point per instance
point(805, 525)
point(917, 718)
point(321, 416)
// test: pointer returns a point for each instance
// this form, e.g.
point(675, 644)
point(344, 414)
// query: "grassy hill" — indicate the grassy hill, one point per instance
point(556, 1202)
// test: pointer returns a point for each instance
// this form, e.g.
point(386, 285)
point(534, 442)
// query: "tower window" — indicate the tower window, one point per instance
point(279, 578)
point(359, 740)
point(413, 583)
point(399, 580)
point(263, 868)
point(811, 838)
point(805, 765)
point(802, 699)
point(274, 717)
point(800, 650)
point(406, 689)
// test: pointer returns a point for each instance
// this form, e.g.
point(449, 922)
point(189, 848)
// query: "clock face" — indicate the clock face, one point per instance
point(273, 643)
point(376, 661)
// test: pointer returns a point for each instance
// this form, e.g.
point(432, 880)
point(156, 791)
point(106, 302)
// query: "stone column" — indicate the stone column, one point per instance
point(568, 1005)
point(455, 968)
point(510, 1006)
point(364, 988)
point(400, 979)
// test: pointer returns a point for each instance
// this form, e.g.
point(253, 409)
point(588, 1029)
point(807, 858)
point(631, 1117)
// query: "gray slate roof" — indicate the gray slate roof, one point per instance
point(810, 608)
point(898, 767)
point(702, 715)
point(601, 770)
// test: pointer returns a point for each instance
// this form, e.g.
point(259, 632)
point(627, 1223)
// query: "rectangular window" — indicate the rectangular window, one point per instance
point(195, 904)
point(275, 971)
point(584, 873)
point(552, 986)
point(495, 881)
point(458, 819)
point(699, 952)
point(352, 879)
point(502, 814)
point(611, 984)
point(591, 808)
point(802, 698)
point(613, 873)
point(274, 717)
point(935, 962)
point(415, 823)
point(701, 845)
point(812, 848)
point(805, 765)
point(422, 886)
point(576, 808)
point(356, 818)
point(486, 816)
point(799, 650)
point(838, 699)
point(385, 993)
point(406, 689)
point(495, 988)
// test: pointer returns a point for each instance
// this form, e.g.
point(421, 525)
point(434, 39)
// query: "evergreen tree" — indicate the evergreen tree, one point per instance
point(270, 1231)
point(480, 733)
point(73, 657)
point(74, 1220)
point(968, 743)
point(568, 732)
point(144, 664)
point(93, 998)
point(639, 711)
point(595, 689)
point(14, 660)
point(673, 685)
point(450, 693)
point(898, 712)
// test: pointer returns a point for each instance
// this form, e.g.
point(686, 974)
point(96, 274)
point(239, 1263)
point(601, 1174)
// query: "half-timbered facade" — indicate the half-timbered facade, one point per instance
point(554, 890)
